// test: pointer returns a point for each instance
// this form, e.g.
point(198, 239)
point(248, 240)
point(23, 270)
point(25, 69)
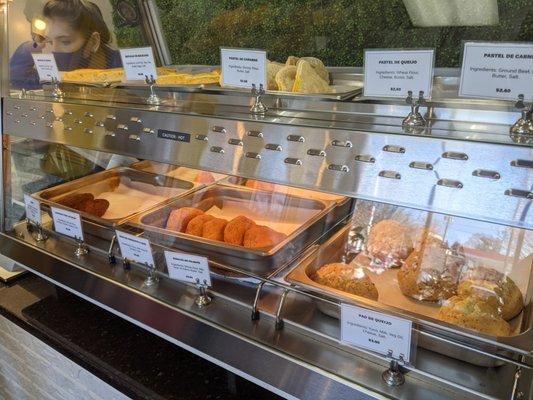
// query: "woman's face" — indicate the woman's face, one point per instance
point(61, 38)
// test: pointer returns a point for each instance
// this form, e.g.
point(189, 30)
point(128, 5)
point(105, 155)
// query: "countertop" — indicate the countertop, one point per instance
point(134, 361)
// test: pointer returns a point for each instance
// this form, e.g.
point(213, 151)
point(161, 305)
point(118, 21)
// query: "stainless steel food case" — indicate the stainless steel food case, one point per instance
point(323, 168)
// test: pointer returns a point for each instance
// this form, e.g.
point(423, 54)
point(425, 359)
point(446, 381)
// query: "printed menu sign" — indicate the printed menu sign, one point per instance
point(375, 331)
point(242, 68)
point(497, 70)
point(188, 268)
point(138, 63)
point(392, 73)
point(46, 66)
point(135, 248)
point(33, 209)
point(67, 223)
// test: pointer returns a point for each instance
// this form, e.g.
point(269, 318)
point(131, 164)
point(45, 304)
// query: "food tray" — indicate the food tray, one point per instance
point(311, 194)
point(173, 171)
point(137, 190)
point(304, 220)
point(341, 92)
point(392, 299)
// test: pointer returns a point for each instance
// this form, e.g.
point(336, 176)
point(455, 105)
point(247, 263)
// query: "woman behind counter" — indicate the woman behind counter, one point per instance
point(77, 36)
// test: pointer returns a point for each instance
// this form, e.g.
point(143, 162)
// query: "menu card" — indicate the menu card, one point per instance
point(138, 63)
point(243, 67)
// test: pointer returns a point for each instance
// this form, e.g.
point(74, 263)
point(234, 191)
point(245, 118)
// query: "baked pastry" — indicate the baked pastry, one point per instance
point(285, 78)
point(204, 177)
point(96, 207)
point(472, 312)
point(180, 218)
point(388, 244)
point(430, 274)
point(236, 228)
point(347, 278)
point(318, 66)
point(196, 225)
point(307, 80)
point(260, 236)
point(214, 229)
point(261, 185)
point(75, 200)
point(484, 282)
point(292, 60)
point(272, 69)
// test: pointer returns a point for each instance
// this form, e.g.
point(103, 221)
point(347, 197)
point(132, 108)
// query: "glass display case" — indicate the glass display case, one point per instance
point(322, 201)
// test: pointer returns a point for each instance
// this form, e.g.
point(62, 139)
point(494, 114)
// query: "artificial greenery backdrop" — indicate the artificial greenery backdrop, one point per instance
point(337, 31)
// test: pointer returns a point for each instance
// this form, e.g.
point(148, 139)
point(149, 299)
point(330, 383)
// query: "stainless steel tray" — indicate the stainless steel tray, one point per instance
point(142, 86)
point(162, 187)
point(315, 218)
point(341, 92)
point(391, 299)
point(173, 171)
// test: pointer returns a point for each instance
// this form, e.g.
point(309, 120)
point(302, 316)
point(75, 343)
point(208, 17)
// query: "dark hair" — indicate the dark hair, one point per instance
point(81, 15)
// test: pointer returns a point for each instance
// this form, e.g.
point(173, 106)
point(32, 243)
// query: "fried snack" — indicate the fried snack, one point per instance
point(214, 229)
point(272, 69)
point(484, 283)
point(75, 200)
point(318, 66)
point(253, 184)
point(307, 80)
point(189, 79)
point(347, 278)
point(475, 313)
point(96, 207)
point(196, 225)
point(285, 78)
point(180, 218)
point(292, 60)
point(430, 274)
point(236, 228)
point(259, 236)
point(388, 244)
point(204, 177)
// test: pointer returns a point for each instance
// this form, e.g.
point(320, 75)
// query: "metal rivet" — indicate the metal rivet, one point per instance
point(110, 133)
point(217, 149)
point(111, 117)
point(89, 131)
point(391, 148)
point(99, 124)
point(293, 161)
point(365, 158)
point(338, 167)
point(341, 143)
point(390, 174)
point(203, 138)
point(134, 137)
point(122, 127)
point(455, 155)
point(526, 194)
point(10, 113)
point(235, 142)
point(483, 173)
point(219, 129)
point(136, 120)
point(255, 156)
point(273, 147)
point(450, 183)
point(421, 165)
point(522, 163)
point(148, 131)
point(296, 138)
point(89, 115)
point(68, 128)
point(255, 134)
point(316, 152)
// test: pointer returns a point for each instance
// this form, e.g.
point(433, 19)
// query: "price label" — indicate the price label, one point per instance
point(138, 63)
point(188, 268)
point(375, 331)
point(497, 70)
point(33, 209)
point(135, 248)
point(392, 73)
point(243, 68)
point(46, 66)
point(67, 223)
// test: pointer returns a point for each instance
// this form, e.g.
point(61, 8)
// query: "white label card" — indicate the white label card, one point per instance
point(188, 268)
point(135, 248)
point(497, 70)
point(46, 66)
point(138, 63)
point(392, 73)
point(375, 331)
point(67, 223)
point(33, 209)
point(242, 67)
